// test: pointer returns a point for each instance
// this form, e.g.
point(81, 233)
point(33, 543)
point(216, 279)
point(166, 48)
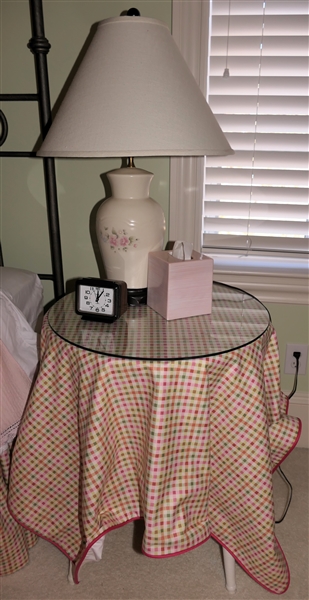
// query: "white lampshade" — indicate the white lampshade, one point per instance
point(134, 95)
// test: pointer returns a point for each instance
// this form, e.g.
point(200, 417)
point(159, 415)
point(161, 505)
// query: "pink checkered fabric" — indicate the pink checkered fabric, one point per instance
point(188, 445)
point(15, 541)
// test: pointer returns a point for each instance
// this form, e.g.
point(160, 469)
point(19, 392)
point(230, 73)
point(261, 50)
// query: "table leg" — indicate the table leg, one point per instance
point(229, 568)
point(70, 573)
point(93, 554)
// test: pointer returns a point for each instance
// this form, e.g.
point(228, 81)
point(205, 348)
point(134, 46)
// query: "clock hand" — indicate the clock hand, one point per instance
point(99, 296)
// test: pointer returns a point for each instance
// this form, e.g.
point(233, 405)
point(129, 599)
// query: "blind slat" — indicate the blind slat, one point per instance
point(277, 142)
point(265, 124)
point(254, 210)
point(292, 161)
point(282, 195)
point(272, 85)
point(295, 7)
point(257, 227)
point(246, 25)
point(268, 105)
point(288, 66)
point(261, 244)
point(250, 45)
point(261, 178)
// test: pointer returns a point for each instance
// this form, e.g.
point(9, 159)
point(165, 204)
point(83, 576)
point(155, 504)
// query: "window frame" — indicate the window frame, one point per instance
point(272, 280)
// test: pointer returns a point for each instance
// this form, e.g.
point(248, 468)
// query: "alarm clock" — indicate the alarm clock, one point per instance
point(100, 299)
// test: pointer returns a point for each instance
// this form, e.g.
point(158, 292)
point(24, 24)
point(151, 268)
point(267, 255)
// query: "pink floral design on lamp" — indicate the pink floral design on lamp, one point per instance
point(129, 225)
point(118, 239)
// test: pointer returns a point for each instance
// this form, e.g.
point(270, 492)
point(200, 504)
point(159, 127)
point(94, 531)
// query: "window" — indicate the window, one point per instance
point(256, 201)
point(261, 192)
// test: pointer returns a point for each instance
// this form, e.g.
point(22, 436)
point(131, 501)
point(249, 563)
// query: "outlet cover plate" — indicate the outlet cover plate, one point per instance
point(290, 361)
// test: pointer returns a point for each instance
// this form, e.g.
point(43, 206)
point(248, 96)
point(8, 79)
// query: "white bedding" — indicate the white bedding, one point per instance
point(24, 290)
point(21, 306)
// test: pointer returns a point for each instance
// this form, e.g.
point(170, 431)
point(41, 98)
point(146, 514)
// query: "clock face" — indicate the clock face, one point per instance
point(96, 300)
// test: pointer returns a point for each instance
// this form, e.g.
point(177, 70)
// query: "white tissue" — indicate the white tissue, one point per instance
point(182, 250)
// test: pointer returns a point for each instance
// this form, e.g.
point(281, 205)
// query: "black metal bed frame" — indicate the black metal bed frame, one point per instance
point(40, 46)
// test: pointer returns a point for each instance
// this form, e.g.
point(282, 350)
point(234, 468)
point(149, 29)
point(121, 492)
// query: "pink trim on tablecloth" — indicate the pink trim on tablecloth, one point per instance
point(187, 442)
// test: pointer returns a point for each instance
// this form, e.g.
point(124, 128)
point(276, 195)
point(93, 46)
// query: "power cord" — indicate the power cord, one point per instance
point(290, 494)
point(297, 357)
point(283, 476)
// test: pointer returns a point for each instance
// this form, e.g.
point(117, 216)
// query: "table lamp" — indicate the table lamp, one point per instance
point(132, 96)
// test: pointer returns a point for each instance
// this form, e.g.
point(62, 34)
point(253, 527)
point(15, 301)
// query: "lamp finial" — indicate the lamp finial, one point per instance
point(133, 12)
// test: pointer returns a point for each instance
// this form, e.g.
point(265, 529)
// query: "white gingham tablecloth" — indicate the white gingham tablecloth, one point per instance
point(187, 445)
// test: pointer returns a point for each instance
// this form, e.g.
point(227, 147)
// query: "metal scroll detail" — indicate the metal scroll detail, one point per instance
point(4, 128)
point(39, 44)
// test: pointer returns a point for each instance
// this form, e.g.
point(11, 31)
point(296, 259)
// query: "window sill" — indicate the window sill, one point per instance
point(280, 280)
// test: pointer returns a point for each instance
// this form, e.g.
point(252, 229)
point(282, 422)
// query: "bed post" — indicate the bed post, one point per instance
point(40, 46)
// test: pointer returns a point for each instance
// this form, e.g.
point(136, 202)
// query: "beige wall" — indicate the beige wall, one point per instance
point(24, 231)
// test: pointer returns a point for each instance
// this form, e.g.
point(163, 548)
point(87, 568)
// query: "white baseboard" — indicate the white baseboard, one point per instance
point(299, 407)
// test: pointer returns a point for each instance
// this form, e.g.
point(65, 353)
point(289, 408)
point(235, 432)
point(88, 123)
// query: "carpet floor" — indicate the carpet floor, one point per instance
point(126, 574)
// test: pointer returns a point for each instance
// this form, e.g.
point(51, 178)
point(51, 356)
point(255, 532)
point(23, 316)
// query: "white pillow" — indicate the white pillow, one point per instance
point(25, 291)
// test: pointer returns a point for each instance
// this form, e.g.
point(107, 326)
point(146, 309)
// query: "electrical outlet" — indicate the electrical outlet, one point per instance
point(290, 360)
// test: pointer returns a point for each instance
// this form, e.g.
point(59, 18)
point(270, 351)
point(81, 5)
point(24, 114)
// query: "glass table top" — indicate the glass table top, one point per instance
point(237, 319)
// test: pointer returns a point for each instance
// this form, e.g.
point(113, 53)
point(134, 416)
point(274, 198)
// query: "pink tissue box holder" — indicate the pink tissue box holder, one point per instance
point(179, 288)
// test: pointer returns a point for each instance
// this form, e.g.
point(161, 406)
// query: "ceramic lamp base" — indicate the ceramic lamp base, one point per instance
point(129, 225)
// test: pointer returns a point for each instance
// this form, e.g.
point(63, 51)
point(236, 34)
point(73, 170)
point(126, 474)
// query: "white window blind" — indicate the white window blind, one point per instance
point(257, 199)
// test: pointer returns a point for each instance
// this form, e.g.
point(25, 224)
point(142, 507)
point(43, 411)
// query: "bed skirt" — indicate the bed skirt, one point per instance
point(15, 541)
